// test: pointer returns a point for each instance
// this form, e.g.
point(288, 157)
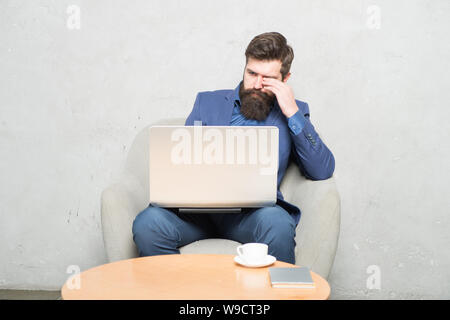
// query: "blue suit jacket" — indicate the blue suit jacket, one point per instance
point(314, 159)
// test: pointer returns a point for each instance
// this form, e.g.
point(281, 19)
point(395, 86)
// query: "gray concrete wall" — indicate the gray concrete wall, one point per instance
point(375, 74)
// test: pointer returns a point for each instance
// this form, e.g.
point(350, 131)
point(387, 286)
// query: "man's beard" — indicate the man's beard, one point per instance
point(255, 104)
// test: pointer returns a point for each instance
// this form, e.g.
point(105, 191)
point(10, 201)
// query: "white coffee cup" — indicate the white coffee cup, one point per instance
point(253, 252)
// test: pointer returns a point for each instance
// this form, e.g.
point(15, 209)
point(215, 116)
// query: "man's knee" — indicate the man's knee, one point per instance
point(277, 221)
point(144, 219)
point(151, 222)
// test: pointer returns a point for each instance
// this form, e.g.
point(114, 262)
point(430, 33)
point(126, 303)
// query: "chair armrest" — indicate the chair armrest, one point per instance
point(120, 203)
point(318, 230)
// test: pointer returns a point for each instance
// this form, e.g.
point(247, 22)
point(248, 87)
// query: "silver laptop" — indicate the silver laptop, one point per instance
point(213, 168)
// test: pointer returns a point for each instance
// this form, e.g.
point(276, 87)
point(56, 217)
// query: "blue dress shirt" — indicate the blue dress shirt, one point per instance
point(295, 123)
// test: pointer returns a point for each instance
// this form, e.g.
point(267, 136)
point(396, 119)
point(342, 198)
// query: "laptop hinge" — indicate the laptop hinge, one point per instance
point(210, 210)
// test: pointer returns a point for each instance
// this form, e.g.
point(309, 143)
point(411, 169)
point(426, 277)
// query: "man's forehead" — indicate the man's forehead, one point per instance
point(267, 68)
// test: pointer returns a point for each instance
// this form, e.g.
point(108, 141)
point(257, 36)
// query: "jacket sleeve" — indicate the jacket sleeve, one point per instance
point(195, 113)
point(315, 160)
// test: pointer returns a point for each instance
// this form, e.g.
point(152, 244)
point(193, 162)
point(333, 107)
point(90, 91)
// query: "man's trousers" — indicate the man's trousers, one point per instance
point(158, 231)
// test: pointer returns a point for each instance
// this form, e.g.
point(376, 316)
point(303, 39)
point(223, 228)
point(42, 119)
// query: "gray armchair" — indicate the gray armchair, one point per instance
point(317, 232)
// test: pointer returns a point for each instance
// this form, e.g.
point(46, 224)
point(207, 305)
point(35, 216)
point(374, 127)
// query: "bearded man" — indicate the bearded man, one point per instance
point(262, 98)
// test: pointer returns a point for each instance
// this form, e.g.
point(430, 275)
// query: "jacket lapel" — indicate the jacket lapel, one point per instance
point(225, 111)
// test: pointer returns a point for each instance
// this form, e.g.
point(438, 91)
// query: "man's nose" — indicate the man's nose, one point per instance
point(258, 83)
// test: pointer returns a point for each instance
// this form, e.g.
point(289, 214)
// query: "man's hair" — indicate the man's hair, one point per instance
point(271, 46)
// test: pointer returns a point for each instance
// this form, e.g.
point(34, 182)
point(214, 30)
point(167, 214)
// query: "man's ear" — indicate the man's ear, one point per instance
point(287, 77)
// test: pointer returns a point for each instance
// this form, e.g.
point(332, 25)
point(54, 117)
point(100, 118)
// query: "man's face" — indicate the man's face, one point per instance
point(256, 101)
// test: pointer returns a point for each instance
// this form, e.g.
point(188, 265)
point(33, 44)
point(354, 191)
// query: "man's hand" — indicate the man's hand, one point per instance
point(284, 94)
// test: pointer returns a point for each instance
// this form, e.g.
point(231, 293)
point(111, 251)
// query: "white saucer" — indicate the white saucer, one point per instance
point(268, 261)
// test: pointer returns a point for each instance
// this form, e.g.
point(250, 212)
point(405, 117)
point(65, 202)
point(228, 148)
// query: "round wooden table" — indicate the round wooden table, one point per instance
point(185, 277)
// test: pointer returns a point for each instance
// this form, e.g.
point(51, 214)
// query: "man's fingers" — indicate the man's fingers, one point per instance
point(275, 89)
point(271, 81)
point(271, 88)
point(274, 83)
